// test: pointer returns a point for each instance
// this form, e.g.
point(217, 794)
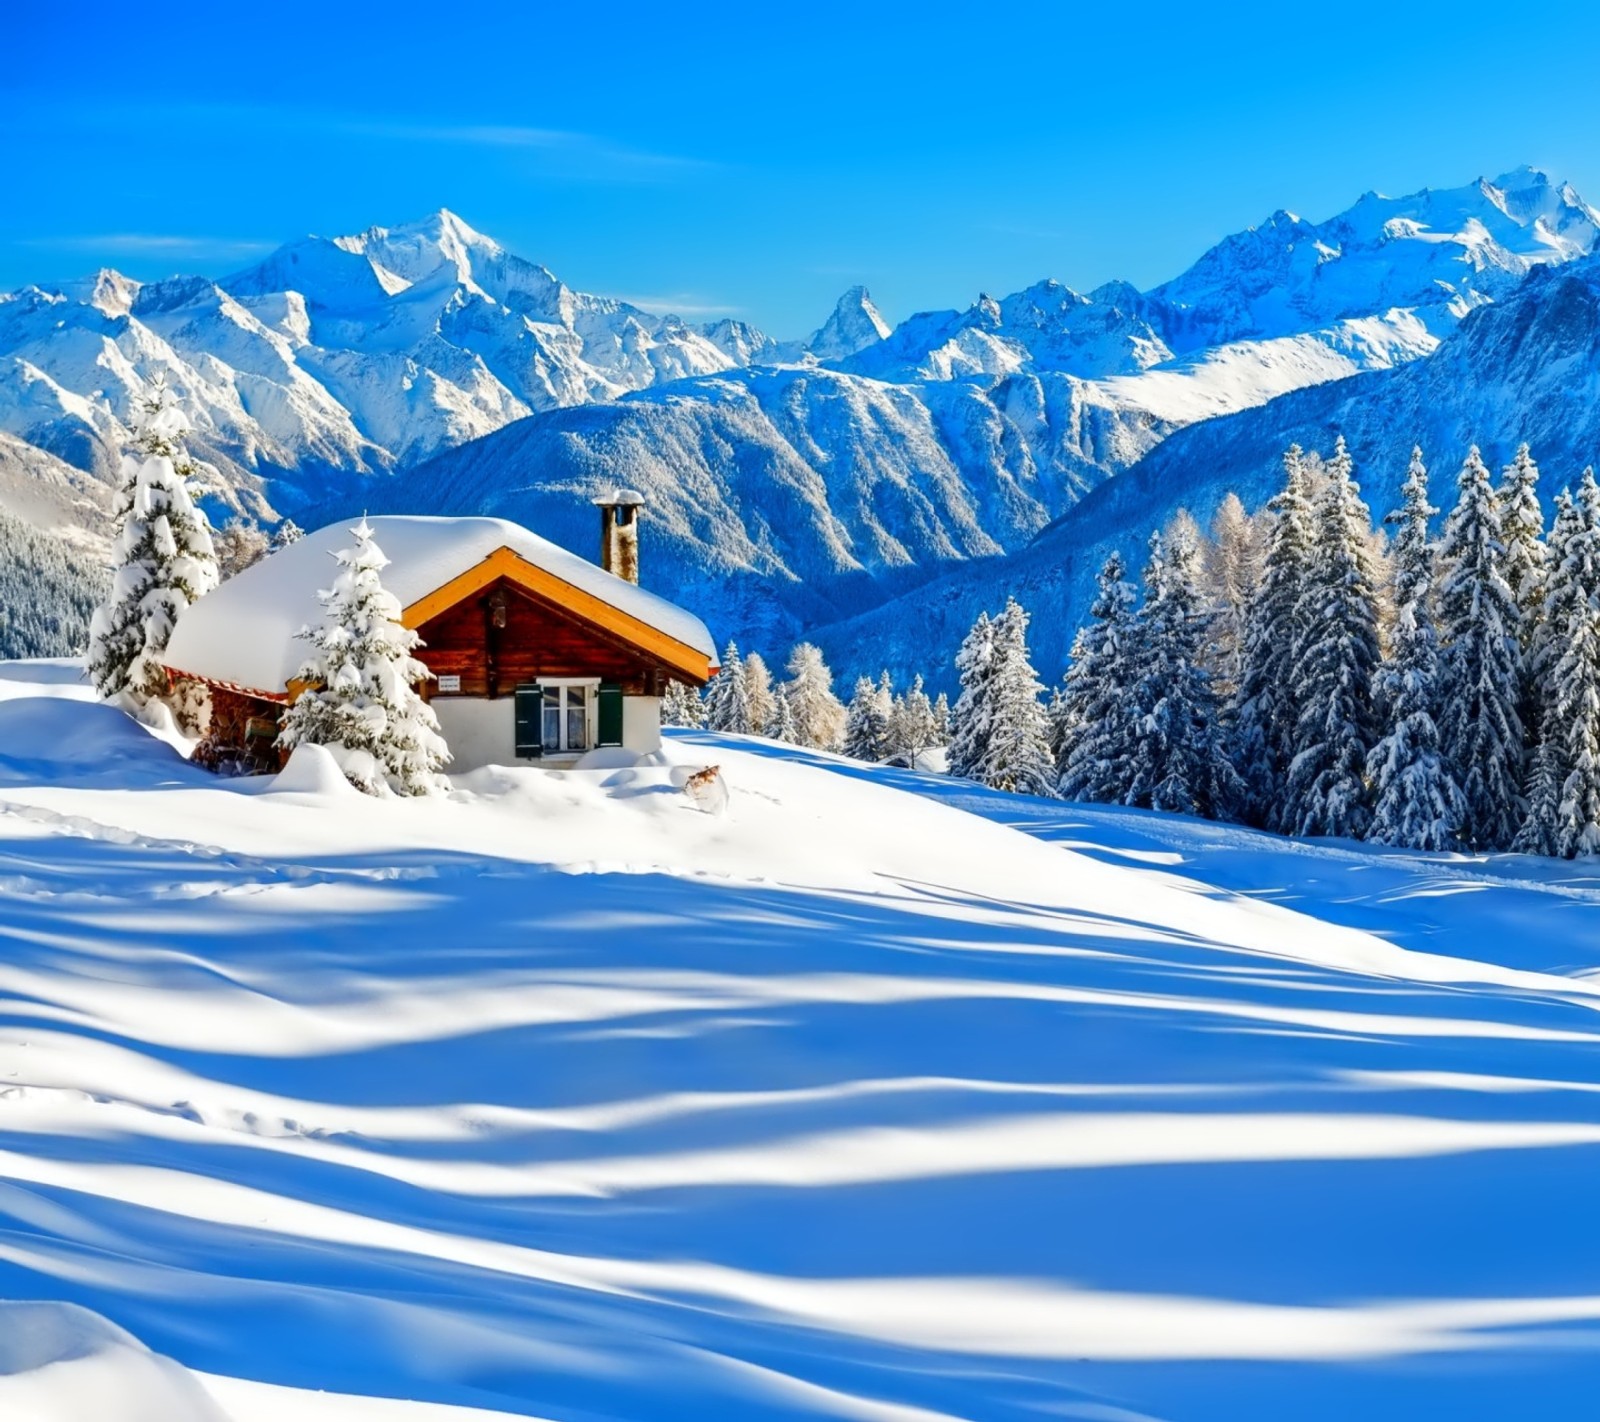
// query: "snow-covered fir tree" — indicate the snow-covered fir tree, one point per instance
point(1481, 683)
point(1522, 532)
point(1335, 659)
point(1417, 804)
point(1567, 587)
point(362, 702)
point(163, 559)
point(969, 717)
point(1179, 761)
point(1016, 748)
point(682, 707)
point(1577, 709)
point(727, 699)
point(1094, 727)
point(781, 726)
point(866, 726)
point(758, 691)
point(1267, 712)
point(912, 729)
point(1566, 680)
point(818, 714)
point(941, 719)
point(284, 534)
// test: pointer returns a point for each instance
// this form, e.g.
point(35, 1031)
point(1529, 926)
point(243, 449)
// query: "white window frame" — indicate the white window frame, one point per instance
point(591, 712)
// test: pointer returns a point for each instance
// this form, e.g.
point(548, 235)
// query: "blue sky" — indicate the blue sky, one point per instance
point(757, 159)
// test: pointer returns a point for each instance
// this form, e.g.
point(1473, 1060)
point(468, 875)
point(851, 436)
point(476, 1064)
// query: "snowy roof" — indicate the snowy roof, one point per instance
point(619, 498)
point(244, 633)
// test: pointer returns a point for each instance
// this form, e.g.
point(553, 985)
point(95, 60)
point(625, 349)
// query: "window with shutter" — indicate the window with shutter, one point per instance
point(609, 728)
point(530, 719)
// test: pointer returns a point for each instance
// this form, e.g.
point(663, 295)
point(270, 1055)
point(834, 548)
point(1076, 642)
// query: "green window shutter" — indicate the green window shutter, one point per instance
point(530, 714)
point(610, 719)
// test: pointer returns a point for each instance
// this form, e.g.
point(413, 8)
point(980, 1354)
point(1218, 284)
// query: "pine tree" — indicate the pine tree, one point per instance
point(1418, 804)
point(1095, 732)
point(969, 719)
point(727, 698)
point(911, 725)
point(1522, 532)
point(782, 725)
point(362, 702)
point(682, 707)
point(818, 714)
point(941, 720)
point(1016, 753)
point(1334, 664)
point(1480, 730)
point(164, 560)
point(284, 534)
point(1562, 818)
point(1266, 718)
point(758, 692)
point(1178, 759)
point(1567, 588)
point(866, 726)
point(1577, 702)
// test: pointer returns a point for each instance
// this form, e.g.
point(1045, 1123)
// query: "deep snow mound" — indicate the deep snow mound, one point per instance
point(62, 1363)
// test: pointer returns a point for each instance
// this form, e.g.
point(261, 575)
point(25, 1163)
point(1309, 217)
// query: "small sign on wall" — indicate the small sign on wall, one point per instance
point(449, 683)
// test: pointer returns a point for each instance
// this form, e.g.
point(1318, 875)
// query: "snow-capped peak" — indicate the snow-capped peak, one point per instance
point(107, 290)
point(417, 251)
point(854, 325)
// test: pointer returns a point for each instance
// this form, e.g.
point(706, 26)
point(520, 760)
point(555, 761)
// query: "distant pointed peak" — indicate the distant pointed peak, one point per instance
point(854, 324)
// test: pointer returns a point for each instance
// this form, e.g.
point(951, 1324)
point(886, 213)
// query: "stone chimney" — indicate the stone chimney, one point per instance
point(619, 532)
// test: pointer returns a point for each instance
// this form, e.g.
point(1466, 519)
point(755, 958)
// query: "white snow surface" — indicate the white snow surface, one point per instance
point(246, 632)
point(879, 1096)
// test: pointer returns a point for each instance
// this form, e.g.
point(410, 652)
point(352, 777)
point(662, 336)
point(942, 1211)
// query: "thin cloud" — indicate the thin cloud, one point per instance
point(565, 154)
point(678, 304)
point(149, 242)
point(557, 142)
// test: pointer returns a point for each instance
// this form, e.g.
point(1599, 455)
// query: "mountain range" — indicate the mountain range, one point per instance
point(815, 484)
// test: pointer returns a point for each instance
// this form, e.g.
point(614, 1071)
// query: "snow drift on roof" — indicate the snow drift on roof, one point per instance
point(245, 632)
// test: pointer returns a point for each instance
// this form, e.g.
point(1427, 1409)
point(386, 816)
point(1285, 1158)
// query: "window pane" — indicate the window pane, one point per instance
point(551, 731)
point(577, 729)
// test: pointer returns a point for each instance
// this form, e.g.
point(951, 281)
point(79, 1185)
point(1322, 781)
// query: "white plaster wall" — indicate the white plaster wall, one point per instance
point(477, 730)
point(641, 723)
point(483, 732)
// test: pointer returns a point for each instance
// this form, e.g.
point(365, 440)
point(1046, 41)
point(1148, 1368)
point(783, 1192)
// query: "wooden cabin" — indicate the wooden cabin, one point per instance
point(536, 654)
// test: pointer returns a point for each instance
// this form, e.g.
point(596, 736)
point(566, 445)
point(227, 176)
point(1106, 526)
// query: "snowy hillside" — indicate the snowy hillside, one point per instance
point(881, 1097)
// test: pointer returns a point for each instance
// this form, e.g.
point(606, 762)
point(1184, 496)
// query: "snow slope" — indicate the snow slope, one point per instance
point(880, 1097)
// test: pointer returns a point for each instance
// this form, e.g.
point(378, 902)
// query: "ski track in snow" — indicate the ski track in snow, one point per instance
point(881, 1097)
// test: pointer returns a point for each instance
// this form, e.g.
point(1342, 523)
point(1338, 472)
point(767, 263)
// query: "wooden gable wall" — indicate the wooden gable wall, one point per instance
point(540, 639)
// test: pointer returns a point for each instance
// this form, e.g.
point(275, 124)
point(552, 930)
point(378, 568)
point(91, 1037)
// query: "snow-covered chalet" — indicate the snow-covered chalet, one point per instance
point(537, 654)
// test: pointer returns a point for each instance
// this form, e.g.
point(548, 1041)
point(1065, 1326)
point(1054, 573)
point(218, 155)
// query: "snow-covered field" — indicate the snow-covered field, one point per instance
point(879, 1097)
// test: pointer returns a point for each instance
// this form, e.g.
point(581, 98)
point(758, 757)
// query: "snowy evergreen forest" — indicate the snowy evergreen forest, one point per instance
point(1296, 669)
point(48, 592)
